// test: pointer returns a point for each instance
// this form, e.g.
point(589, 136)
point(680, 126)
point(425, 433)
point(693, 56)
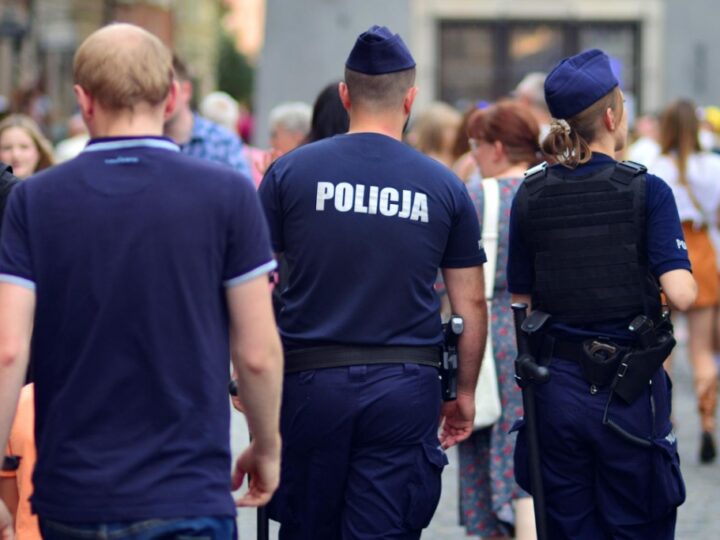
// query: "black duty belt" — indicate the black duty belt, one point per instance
point(341, 355)
point(599, 364)
point(574, 350)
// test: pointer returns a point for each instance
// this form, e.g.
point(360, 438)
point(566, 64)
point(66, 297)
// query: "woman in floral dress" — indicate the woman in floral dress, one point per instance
point(504, 142)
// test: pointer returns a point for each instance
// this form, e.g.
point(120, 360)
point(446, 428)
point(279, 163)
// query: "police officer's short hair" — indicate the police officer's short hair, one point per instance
point(379, 92)
point(122, 65)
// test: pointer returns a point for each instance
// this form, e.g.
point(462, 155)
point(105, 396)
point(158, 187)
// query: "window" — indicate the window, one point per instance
point(486, 59)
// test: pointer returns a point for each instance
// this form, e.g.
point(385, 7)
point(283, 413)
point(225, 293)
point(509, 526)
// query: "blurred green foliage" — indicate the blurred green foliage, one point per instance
point(234, 72)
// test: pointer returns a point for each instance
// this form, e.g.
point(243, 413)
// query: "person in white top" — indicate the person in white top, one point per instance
point(646, 147)
point(694, 176)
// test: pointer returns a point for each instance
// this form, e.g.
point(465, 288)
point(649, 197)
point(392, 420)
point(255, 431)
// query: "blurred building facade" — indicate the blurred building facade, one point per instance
point(468, 50)
point(306, 44)
point(38, 39)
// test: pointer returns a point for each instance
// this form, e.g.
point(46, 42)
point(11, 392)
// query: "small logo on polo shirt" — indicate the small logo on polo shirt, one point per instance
point(122, 160)
point(681, 244)
point(361, 199)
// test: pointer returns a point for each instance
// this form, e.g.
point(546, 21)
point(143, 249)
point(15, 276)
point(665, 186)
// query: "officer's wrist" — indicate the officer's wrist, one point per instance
point(269, 445)
point(466, 393)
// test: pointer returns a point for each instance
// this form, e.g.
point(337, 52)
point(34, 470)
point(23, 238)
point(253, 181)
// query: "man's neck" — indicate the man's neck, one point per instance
point(137, 124)
point(390, 124)
point(180, 127)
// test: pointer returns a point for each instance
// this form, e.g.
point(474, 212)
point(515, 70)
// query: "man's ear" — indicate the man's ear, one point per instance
point(85, 101)
point(185, 89)
point(409, 99)
point(344, 95)
point(171, 101)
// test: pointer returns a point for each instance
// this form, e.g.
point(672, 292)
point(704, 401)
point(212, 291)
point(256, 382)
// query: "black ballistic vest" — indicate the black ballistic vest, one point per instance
point(588, 240)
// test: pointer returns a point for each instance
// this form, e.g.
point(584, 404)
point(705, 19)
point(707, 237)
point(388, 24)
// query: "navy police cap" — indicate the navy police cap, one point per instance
point(577, 82)
point(379, 51)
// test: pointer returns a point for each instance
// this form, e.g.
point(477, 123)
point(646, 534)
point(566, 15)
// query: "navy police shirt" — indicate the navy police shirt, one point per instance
point(129, 248)
point(365, 222)
point(665, 243)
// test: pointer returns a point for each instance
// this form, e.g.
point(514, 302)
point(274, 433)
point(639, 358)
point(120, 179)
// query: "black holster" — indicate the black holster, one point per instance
point(600, 360)
point(639, 365)
point(449, 368)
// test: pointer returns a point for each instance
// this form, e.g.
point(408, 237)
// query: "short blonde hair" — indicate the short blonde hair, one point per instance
point(122, 65)
point(43, 146)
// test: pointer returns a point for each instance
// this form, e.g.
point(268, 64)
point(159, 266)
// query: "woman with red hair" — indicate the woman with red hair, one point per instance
point(504, 143)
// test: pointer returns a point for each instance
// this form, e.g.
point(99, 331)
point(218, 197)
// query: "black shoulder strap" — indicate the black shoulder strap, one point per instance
point(625, 171)
point(634, 174)
point(534, 176)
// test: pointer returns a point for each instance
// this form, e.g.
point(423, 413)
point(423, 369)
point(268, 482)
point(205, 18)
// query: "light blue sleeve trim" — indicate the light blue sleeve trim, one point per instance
point(22, 282)
point(247, 276)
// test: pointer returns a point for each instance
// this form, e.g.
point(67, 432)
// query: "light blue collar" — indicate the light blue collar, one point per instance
point(132, 143)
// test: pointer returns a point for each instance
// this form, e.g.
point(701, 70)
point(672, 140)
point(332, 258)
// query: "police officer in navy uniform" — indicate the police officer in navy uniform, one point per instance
point(365, 222)
point(591, 243)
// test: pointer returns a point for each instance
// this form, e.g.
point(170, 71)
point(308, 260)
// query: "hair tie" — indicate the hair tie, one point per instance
point(560, 125)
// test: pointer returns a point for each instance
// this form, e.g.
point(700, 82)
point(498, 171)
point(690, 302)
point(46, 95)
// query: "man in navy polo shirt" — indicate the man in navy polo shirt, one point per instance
point(365, 222)
point(138, 280)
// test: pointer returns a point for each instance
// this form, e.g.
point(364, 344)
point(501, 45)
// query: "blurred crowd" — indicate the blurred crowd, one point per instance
point(497, 140)
point(34, 139)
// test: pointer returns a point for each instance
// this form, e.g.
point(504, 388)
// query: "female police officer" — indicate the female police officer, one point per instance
point(590, 239)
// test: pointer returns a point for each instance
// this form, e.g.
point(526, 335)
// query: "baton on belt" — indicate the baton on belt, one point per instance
point(263, 523)
point(527, 375)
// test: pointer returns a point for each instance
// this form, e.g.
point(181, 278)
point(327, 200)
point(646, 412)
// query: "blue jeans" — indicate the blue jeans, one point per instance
point(204, 528)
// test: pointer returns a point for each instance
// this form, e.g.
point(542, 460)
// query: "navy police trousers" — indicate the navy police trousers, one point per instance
point(361, 456)
point(598, 485)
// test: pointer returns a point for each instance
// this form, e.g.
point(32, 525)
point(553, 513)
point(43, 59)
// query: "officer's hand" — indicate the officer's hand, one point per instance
point(264, 470)
point(234, 393)
point(456, 423)
point(237, 404)
point(7, 531)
